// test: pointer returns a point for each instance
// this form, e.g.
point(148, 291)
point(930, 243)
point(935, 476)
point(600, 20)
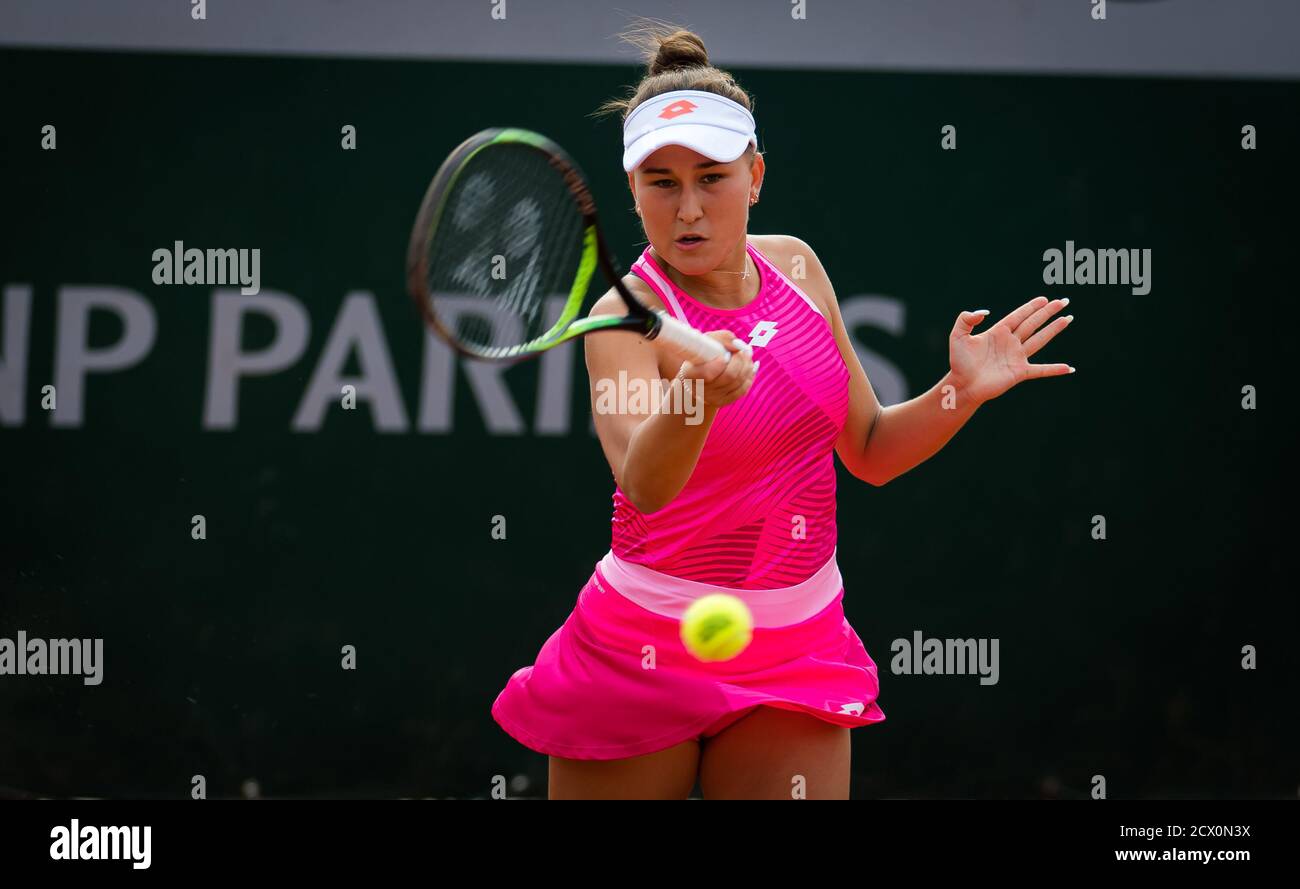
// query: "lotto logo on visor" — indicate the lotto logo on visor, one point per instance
point(705, 122)
point(678, 108)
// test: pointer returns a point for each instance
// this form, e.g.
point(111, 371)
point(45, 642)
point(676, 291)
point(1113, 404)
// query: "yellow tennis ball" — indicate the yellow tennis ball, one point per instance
point(717, 627)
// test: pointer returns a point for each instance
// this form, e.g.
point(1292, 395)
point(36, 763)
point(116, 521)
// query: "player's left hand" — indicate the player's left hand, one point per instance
point(988, 364)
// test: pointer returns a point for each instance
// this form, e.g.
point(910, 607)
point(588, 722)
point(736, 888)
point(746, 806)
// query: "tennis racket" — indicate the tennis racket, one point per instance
point(506, 236)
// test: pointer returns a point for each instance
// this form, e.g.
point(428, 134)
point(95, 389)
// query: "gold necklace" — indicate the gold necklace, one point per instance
point(743, 275)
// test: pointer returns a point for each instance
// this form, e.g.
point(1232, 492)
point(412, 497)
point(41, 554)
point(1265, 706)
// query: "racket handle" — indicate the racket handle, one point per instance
point(699, 347)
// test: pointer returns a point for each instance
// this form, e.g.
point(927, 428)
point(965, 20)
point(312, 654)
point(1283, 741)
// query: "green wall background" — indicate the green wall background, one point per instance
point(1118, 657)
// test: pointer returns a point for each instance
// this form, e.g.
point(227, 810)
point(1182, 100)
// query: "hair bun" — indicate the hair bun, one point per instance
point(675, 59)
point(681, 49)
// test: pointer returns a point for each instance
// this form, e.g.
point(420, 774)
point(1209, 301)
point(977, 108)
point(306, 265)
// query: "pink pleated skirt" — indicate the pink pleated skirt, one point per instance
point(615, 679)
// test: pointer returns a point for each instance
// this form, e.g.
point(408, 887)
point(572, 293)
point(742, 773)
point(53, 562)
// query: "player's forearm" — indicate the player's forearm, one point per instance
point(662, 453)
point(906, 435)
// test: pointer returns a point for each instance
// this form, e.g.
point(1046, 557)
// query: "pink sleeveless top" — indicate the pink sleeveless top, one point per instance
point(759, 510)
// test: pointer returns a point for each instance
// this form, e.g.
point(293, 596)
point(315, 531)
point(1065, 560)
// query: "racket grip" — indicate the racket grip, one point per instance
point(701, 348)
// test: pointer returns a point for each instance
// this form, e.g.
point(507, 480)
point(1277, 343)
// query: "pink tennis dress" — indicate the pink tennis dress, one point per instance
point(756, 519)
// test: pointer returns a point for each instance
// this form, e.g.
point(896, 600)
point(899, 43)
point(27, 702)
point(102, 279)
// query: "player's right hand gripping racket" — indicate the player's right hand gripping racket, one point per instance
point(507, 234)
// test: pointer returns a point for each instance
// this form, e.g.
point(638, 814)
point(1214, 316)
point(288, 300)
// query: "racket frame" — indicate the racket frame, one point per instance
point(650, 323)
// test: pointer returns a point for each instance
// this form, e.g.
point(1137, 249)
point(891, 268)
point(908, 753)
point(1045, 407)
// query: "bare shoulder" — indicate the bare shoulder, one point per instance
point(782, 249)
point(800, 264)
point(774, 246)
point(612, 303)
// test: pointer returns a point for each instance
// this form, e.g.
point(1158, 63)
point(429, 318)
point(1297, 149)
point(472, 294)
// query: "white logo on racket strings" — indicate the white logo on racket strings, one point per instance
point(762, 333)
point(520, 231)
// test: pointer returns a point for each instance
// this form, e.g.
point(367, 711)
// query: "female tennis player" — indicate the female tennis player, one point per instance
point(742, 502)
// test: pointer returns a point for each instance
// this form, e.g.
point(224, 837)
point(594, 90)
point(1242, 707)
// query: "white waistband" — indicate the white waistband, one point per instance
point(669, 596)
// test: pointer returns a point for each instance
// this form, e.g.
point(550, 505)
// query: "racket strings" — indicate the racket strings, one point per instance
point(510, 239)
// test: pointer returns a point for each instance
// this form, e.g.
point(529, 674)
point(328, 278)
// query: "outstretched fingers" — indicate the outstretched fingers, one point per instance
point(1038, 317)
point(1017, 317)
point(1034, 371)
point(1044, 336)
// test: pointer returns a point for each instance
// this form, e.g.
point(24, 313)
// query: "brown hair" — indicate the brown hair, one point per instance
point(675, 60)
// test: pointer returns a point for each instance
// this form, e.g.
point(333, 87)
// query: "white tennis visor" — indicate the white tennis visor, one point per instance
point(713, 125)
